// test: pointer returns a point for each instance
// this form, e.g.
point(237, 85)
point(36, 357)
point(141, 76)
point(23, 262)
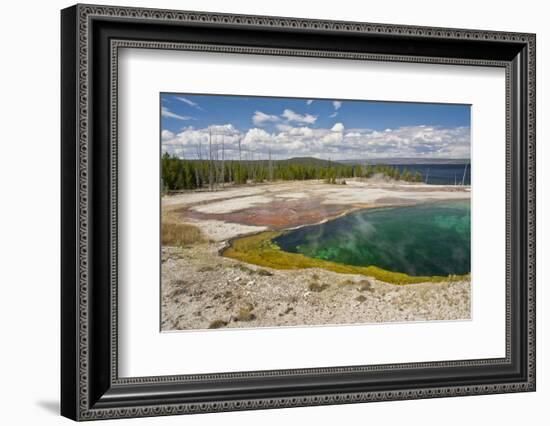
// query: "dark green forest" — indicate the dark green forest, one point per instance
point(180, 174)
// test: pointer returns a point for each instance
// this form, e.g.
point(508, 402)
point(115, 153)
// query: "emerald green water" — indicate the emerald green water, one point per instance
point(425, 239)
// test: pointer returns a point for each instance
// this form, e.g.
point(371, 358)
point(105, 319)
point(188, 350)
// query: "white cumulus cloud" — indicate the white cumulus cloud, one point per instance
point(340, 143)
point(298, 118)
point(257, 137)
point(259, 118)
point(167, 135)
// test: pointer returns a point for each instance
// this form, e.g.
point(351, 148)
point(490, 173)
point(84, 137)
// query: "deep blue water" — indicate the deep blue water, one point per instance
point(439, 174)
point(425, 239)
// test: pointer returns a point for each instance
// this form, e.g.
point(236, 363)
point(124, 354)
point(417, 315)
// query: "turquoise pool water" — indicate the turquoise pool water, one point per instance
point(425, 239)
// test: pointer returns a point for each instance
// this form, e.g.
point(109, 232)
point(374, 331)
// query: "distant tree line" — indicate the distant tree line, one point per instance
point(179, 174)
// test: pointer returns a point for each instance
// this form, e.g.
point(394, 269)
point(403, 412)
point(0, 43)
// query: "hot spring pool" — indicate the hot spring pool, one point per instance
point(426, 239)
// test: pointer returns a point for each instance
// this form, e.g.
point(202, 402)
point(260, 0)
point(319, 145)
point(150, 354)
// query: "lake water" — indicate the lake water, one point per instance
point(427, 239)
point(440, 174)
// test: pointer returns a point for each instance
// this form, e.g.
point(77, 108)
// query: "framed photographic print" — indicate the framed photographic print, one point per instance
point(263, 212)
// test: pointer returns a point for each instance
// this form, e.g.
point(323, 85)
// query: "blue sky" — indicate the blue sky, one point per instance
point(323, 128)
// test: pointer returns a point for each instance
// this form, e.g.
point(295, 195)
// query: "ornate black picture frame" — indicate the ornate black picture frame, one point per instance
point(91, 36)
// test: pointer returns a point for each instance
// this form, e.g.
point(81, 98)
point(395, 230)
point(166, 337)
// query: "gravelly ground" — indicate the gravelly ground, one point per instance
point(201, 289)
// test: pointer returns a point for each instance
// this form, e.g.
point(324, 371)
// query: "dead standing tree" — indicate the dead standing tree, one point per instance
point(219, 147)
point(464, 175)
point(198, 169)
point(240, 162)
point(216, 162)
point(270, 166)
point(230, 170)
point(223, 162)
point(210, 163)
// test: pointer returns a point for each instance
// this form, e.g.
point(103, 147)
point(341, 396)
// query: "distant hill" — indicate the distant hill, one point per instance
point(405, 161)
point(304, 161)
point(307, 161)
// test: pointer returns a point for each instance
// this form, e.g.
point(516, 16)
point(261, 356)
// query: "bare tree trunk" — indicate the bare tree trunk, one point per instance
point(253, 168)
point(270, 167)
point(211, 163)
point(216, 165)
point(249, 170)
point(464, 175)
point(199, 164)
point(240, 161)
point(223, 161)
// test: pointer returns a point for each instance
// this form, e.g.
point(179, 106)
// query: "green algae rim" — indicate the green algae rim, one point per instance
point(259, 249)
